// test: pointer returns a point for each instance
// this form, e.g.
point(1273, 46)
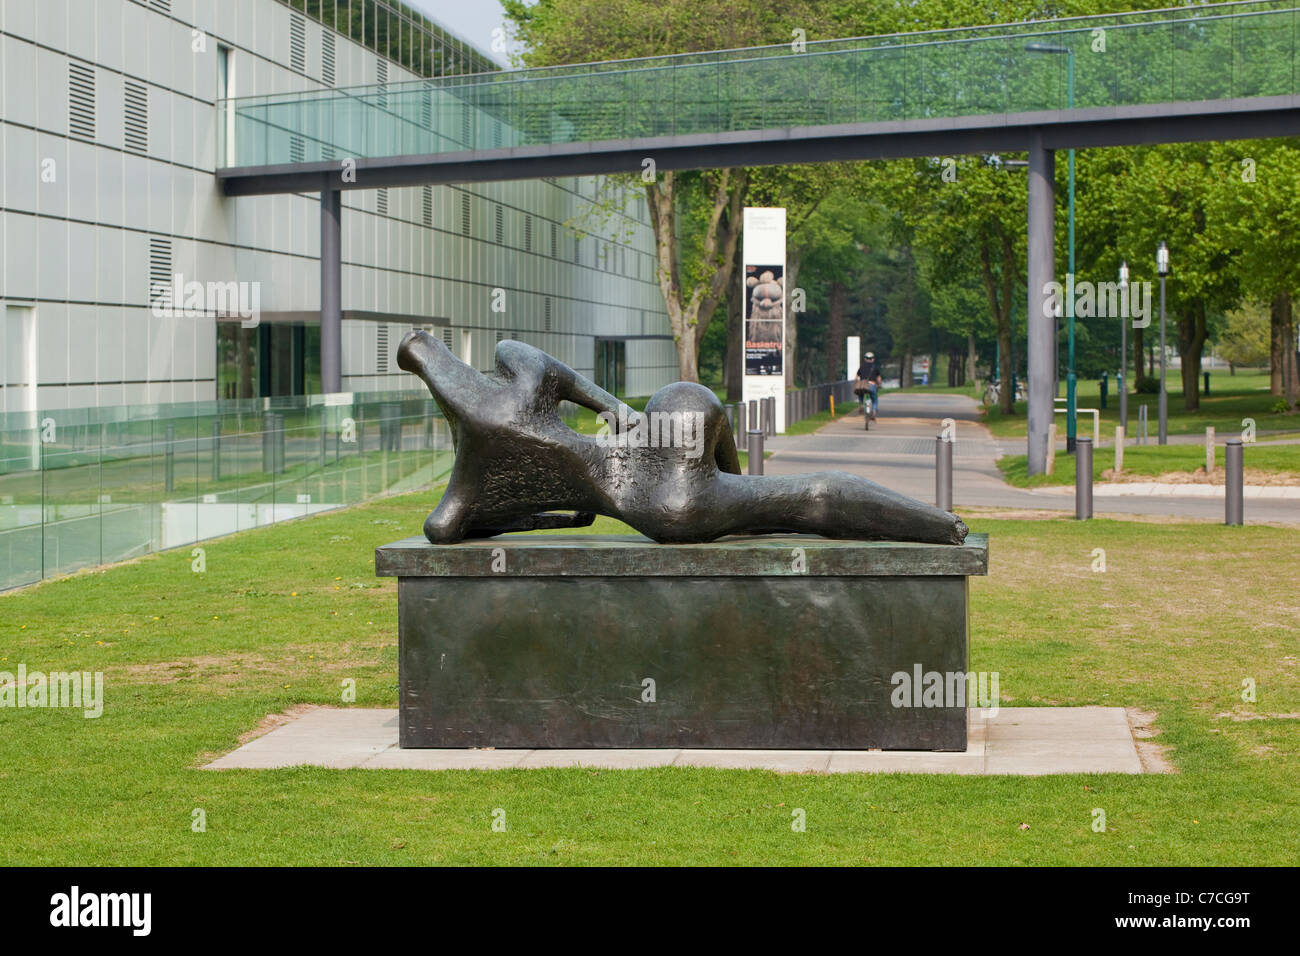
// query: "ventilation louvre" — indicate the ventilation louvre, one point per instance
point(381, 75)
point(547, 314)
point(160, 273)
point(500, 226)
point(381, 201)
point(381, 348)
point(297, 43)
point(528, 233)
point(327, 57)
point(135, 134)
point(81, 101)
point(465, 214)
point(447, 337)
point(555, 242)
point(297, 149)
point(466, 126)
point(428, 207)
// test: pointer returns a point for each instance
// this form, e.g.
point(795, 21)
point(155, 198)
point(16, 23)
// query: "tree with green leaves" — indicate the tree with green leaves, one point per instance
point(1245, 338)
point(696, 216)
point(1256, 205)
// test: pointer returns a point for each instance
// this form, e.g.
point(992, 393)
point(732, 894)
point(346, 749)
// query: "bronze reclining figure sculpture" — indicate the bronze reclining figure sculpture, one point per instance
point(517, 463)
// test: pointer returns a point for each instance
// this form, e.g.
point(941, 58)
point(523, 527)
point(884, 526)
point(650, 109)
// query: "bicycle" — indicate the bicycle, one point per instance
point(870, 405)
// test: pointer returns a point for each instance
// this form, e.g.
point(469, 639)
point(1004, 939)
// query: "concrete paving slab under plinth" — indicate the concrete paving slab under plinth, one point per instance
point(1027, 741)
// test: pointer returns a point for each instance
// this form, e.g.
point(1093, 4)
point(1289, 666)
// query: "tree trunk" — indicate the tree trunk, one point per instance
point(1000, 306)
point(1139, 361)
point(1191, 344)
point(733, 360)
point(1283, 379)
point(905, 374)
point(1279, 323)
point(690, 311)
point(791, 319)
point(970, 358)
point(835, 346)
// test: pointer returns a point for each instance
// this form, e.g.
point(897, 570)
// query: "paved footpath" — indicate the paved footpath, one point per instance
point(898, 452)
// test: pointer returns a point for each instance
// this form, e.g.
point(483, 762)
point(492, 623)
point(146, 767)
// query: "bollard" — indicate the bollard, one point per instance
point(741, 428)
point(755, 452)
point(216, 449)
point(942, 473)
point(1209, 449)
point(169, 459)
point(751, 416)
point(1207, 383)
point(1082, 478)
point(1051, 449)
point(1233, 510)
point(771, 417)
point(1142, 424)
point(1119, 448)
point(832, 407)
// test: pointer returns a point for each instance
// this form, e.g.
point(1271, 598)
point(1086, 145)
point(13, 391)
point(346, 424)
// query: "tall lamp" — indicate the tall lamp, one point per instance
point(1123, 349)
point(1162, 269)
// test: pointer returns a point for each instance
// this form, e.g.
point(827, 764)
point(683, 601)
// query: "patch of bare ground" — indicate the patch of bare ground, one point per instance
point(1032, 514)
point(1017, 514)
point(1240, 715)
point(267, 724)
point(1154, 756)
point(231, 668)
point(1252, 476)
point(271, 721)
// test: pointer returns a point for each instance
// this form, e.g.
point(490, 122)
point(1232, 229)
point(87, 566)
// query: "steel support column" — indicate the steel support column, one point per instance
point(1041, 354)
point(331, 291)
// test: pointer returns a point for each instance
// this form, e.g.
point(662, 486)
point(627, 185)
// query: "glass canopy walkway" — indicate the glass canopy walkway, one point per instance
point(1227, 51)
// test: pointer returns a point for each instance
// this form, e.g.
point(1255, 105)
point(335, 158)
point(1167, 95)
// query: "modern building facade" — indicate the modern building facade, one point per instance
point(109, 141)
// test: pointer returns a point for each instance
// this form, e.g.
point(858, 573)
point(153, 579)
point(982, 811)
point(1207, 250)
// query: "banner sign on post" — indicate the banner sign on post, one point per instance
point(853, 360)
point(763, 275)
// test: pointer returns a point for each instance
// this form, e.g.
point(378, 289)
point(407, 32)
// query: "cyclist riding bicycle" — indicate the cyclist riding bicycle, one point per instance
point(868, 383)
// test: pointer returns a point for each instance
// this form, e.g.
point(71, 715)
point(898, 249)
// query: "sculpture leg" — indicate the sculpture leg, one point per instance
point(834, 504)
point(448, 522)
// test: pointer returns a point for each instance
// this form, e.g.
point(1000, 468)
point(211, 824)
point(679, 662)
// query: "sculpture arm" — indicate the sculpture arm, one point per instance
point(449, 379)
point(582, 391)
point(725, 454)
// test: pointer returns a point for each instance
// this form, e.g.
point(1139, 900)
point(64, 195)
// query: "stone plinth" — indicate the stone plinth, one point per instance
point(578, 641)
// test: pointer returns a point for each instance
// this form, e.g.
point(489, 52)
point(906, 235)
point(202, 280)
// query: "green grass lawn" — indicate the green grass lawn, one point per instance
point(1183, 614)
point(1152, 460)
point(1231, 399)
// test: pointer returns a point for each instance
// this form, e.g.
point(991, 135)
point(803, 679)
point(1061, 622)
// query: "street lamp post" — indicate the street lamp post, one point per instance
point(1070, 380)
point(1123, 349)
point(1162, 269)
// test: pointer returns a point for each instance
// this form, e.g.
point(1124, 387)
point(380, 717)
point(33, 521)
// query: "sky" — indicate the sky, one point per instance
point(472, 20)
